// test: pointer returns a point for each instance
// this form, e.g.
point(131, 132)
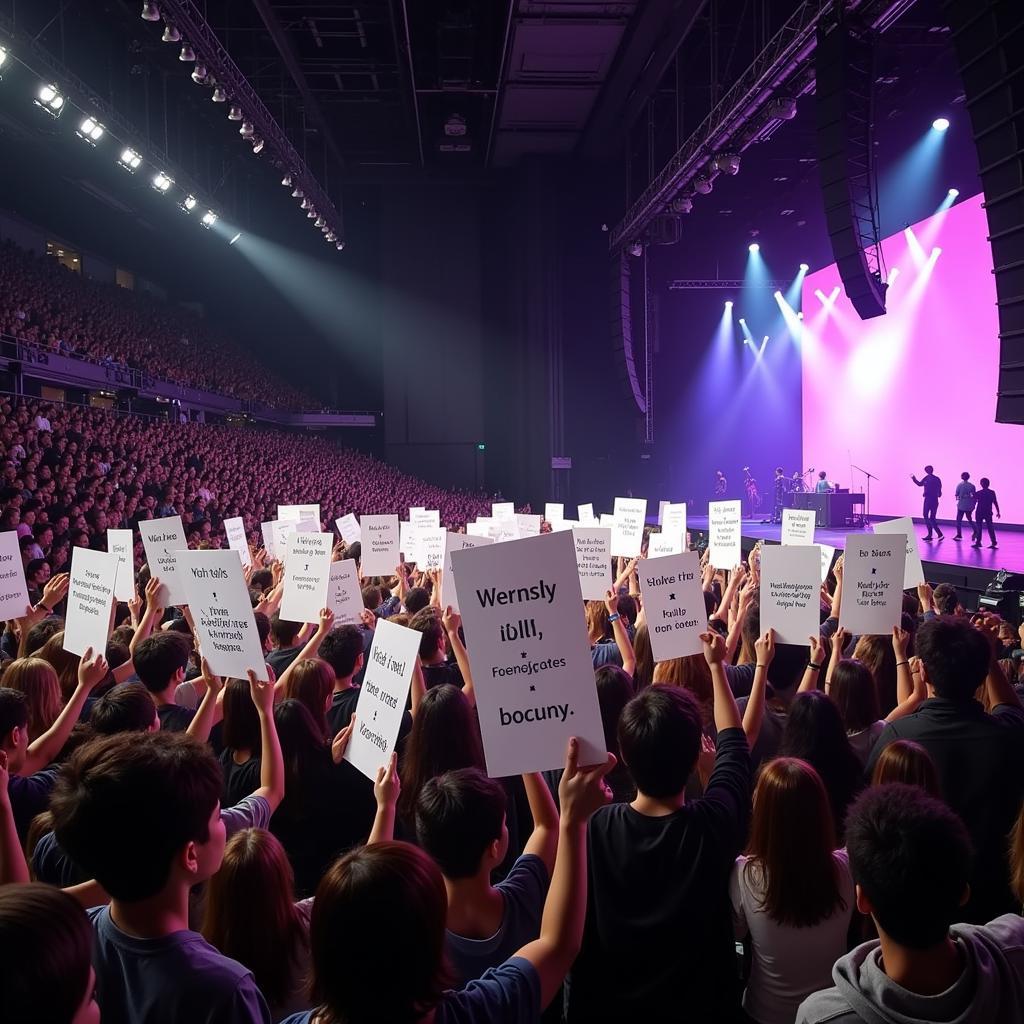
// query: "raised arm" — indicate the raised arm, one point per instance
point(753, 714)
point(385, 790)
point(543, 841)
point(727, 714)
point(150, 617)
point(209, 712)
point(997, 687)
point(417, 688)
point(814, 665)
point(839, 642)
point(622, 641)
point(13, 868)
point(310, 650)
point(451, 622)
point(746, 602)
point(271, 759)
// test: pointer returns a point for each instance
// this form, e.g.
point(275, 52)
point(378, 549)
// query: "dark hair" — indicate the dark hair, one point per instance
point(378, 885)
point(262, 626)
point(659, 737)
point(627, 608)
point(814, 732)
point(945, 599)
point(260, 580)
point(428, 622)
point(311, 681)
point(853, 690)
point(792, 839)
point(159, 657)
point(307, 760)
point(47, 942)
point(911, 856)
point(985, 481)
point(127, 707)
point(444, 736)
point(644, 673)
point(965, 476)
point(283, 631)
point(929, 469)
point(416, 600)
point(372, 597)
point(125, 805)
point(614, 692)
point(909, 762)
point(41, 632)
point(13, 710)
point(241, 727)
point(955, 656)
point(458, 815)
point(341, 649)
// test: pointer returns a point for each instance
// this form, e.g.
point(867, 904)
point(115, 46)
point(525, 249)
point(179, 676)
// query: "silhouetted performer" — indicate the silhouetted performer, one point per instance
point(965, 502)
point(932, 492)
point(721, 484)
point(987, 501)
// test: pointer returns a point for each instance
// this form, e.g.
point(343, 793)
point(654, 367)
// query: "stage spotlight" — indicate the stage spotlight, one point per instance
point(3, 55)
point(304, 205)
point(237, 236)
point(742, 322)
point(702, 184)
point(953, 193)
point(209, 219)
point(129, 159)
point(804, 267)
point(778, 296)
point(339, 246)
point(50, 100)
point(728, 163)
point(287, 180)
point(90, 130)
point(188, 204)
point(320, 222)
point(199, 74)
point(171, 34)
point(682, 204)
point(246, 131)
point(331, 236)
point(187, 54)
point(782, 107)
point(161, 182)
point(753, 247)
point(235, 112)
point(150, 12)
point(311, 214)
point(728, 303)
point(297, 193)
point(257, 145)
point(219, 95)
point(800, 315)
point(940, 124)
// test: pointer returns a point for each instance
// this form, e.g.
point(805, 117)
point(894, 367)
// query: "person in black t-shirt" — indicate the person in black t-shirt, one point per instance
point(160, 663)
point(437, 669)
point(987, 502)
point(932, 486)
point(285, 636)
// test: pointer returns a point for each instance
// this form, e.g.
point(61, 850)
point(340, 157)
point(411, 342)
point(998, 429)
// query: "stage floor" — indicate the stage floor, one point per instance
point(1009, 555)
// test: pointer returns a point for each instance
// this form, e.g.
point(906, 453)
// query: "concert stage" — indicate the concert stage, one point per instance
point(948, 561)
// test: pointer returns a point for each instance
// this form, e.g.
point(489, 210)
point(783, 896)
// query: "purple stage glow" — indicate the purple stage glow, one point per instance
point(917, 385)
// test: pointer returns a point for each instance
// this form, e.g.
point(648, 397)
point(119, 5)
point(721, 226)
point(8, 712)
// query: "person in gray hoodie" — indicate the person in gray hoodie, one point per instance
point(910, 856)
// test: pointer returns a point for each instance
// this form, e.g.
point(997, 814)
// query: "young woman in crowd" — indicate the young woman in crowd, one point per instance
point(908, 762)
point(240, 736)
point(37, 679)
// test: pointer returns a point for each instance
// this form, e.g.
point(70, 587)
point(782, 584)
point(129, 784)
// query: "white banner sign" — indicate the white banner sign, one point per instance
point(122, 544)
point(873, 583)
point(237, 540)
point(790, 591)
point(344, 597)
point(628, 530)
point(348, 528)
point(529, 525)
point(554, 511)
point(300, 514)
point(382, 696)
point(593, 561)
point(585, 514)
point(408, 541)
point(163, 539)
point(797, 526)
point(913, 570)
point(425, 518)
point(307, 568)
point(523, 617)
point(503, 509)
point(90, 597)
point(269, 540)
point(225, 624)
point(14, 600)
point(456, 542)
point(660, 545)
point(827, 554)
point(430, 543)
point(674, 602)
point(380, 545)
point(674, 521)
point(725, 532)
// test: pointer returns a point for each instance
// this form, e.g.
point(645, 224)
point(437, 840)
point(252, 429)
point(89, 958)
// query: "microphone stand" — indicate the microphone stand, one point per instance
point(867, 500)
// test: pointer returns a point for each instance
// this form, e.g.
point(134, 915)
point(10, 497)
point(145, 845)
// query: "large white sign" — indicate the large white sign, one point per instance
point(873, 583)
point(225, 624)
point(791, 591)
point(554, 511)
point(90, 597)
point(660, 545)
point(674, 521)
point(585, 514)
point(725, 533)
point(628, 530)
point(425, 518)
point(430, 543)
point(797, 526)
point(344, 597)
point(827, 554)
point(380, 545)
point(348, 528)
point(269, 541)
point(121, 543)
point(163, 539)
point(913, 570)
point(307, 568)
point(529, 525)
point(237, 540)
point(593, 560)
point(13, 591)
point(382, 696)
point(503, 509)
point(674, 603)
point(300, 514)
point(408, 541)
point(527, 640)
point(456, 542)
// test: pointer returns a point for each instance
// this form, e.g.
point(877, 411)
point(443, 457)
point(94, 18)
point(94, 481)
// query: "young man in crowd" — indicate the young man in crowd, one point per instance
point(910, 859)
point(285, 637)
point(160, 663)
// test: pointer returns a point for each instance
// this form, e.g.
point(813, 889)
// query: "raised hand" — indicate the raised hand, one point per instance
point(368, 619)
point(386, 787)
point(92, 669)
point(714, 647)
point(818, 649)
point(262, 693)
point(764, 648)
point(611, 601)
point(900, 643)
point(582, 791)
point(326, 620)
point(214, 683)
point(55, 591)
point(451, 620)
point(340, 742)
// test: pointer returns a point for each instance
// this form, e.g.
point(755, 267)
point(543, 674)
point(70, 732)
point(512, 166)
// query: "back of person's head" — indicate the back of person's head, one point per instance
point(311, 681)
point(627, 608)
point(877, 654)
point(945, 599)
point(908, 762)
point(41, 632)
point(159, 658)
point(985, 481)
point(262, 627)
point(126, 806)
point(260, 580)
point(643, 675)
point(416, 600)
point(283, 631)
point(397, 894)
point(428, 622)
point(787, 667)
point(955, 657)
point(965, 476)
point(251, 914)
point(306, 757)
point(659, 738)
point(372, 596)
point(46, 969)
point(37, 679)
point(241, 727)
point(691, 673)
point(445, 735)
point(341, 649)
point(614, 692)
point(929, 469)
point(64, 663)
point(128, 707)
point(13, 714)
point(853, 690)
point(911, 857)
point(597, 619)
point(459, 816)
point(792, 838)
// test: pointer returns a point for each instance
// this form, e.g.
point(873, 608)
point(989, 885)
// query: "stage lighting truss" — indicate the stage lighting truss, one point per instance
point(188, 204)
point(90, 131)
point(162, 182)
point(129, 159)
point(209, 219)
point(49, 98)
point(3, 55)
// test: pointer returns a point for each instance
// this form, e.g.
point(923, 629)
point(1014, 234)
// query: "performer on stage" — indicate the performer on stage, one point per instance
point(721, 484)
point(781, 490)
point(796, 483)
point(987, 501)
point(932, 492)
point(965, 502)
point(824, 485)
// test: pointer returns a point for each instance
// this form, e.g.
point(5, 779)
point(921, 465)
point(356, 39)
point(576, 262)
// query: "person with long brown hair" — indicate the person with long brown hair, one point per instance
point(37, 679)
point(908, 762)
point(792, 892)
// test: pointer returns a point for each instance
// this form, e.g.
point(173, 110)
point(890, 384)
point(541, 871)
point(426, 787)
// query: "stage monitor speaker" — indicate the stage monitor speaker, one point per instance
point(844, 80)
point(988, 36)
point(622, 330)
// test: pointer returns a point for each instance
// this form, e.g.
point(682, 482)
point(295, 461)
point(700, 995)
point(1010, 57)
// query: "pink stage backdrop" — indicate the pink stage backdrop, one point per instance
point(917, 385)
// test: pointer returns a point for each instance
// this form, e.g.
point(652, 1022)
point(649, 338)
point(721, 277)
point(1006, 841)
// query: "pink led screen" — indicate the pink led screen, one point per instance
point(917, 385)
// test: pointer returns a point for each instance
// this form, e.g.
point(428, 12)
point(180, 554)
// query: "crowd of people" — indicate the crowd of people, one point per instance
point(52, 309)
point(778, 833)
